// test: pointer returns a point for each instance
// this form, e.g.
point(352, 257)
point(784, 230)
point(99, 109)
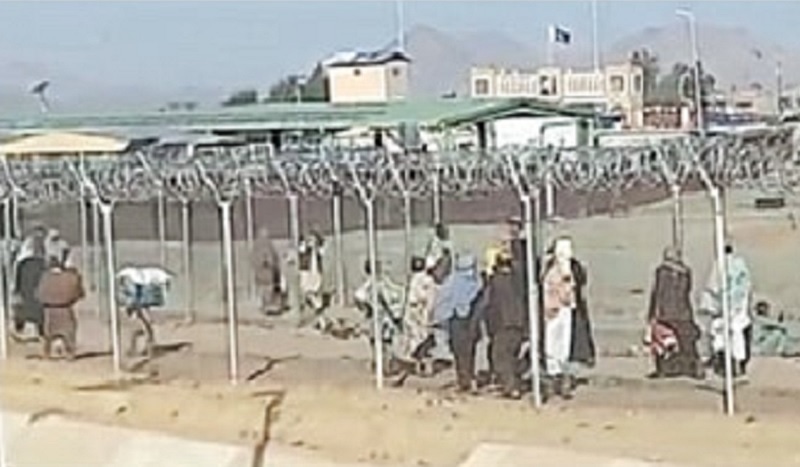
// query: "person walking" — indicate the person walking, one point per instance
point(60, 289)
point(266, 265)
point(455, 309)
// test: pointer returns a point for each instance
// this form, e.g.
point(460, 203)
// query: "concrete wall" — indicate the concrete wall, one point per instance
point(558, 131)
point(397, 80)
point(358, 84)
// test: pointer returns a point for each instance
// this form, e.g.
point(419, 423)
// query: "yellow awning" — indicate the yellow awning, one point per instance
point(63, 143)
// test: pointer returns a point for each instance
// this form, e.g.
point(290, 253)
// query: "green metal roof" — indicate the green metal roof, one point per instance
point(512, 108)
point(302, 116)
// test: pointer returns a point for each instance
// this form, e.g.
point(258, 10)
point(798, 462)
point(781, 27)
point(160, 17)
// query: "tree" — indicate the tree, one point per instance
point(679, 85)
point(294, 87)
point(242, 97)
point(708, 82)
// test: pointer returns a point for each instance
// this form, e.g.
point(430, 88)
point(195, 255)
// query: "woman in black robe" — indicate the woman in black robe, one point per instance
point(672, 332)
point(582, 348)
point(28, 274)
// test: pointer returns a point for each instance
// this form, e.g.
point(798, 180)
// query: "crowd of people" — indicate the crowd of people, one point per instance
point(451, 304)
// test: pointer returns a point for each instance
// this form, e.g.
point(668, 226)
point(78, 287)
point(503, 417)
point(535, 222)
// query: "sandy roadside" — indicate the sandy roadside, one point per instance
point(396, 427)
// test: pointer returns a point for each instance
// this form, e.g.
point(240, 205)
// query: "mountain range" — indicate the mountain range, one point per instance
point(733, 55)
point(441, 64)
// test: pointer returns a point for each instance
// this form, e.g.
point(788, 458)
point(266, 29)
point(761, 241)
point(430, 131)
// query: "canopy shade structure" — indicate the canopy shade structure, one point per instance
point(48, 144)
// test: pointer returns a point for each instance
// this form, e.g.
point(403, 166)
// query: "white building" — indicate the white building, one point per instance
point(616, 88)
point(367, 77)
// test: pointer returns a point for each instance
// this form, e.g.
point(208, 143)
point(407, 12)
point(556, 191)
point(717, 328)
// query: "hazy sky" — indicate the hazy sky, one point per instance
point(168, 43)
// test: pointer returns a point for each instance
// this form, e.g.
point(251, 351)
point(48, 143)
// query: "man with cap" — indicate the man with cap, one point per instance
point(512, 242)
point(506, 323)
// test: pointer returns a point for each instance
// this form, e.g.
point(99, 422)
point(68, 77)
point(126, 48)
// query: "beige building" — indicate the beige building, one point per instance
point(753, 101)
point(358, 77)
point(618, 88)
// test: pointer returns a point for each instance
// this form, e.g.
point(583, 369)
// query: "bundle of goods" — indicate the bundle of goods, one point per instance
point(140, 289)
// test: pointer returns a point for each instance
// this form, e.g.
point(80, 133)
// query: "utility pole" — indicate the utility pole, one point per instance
point(779, 86)
point(698, 85)
point(400, 18)
point(595, 44)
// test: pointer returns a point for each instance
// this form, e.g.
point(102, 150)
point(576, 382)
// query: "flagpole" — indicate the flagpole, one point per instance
point(779, 86)
point(551, 33)
point(595, 45)
point(400, 25)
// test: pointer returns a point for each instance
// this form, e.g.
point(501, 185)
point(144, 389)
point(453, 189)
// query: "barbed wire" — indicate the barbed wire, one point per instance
point(765, 162)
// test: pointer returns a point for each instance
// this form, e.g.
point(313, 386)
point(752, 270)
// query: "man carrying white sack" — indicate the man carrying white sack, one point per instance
point(142, 288)
point(739, 288)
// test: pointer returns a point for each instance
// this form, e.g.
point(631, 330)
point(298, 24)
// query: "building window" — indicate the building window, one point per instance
point(482, 87)
point(637, 84)
point(504, 87)
point(617, 84)
point(547, 86)
point(395, 72)
point(357, 72)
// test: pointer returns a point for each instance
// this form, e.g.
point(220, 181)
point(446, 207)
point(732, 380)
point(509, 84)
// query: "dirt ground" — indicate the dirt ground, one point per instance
point(314, 392)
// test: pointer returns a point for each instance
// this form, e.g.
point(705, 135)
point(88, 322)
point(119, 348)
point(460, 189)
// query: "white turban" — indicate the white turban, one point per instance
point(563, 250)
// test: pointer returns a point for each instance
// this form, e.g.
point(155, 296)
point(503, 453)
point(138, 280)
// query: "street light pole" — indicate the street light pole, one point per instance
point(698, 94)
point(779, 86)
point(400, 19)
point(595, 43)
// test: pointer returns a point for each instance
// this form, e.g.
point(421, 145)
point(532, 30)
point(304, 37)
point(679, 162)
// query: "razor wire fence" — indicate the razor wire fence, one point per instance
point(226, 192)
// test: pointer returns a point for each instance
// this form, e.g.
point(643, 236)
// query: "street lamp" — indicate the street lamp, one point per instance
point(779, 86)
point(300, 82)
point(698, 94)
point(40, 90)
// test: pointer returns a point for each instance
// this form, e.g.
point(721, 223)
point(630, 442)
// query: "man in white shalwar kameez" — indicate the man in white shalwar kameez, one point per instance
point(414, 344)
point(739, 292)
